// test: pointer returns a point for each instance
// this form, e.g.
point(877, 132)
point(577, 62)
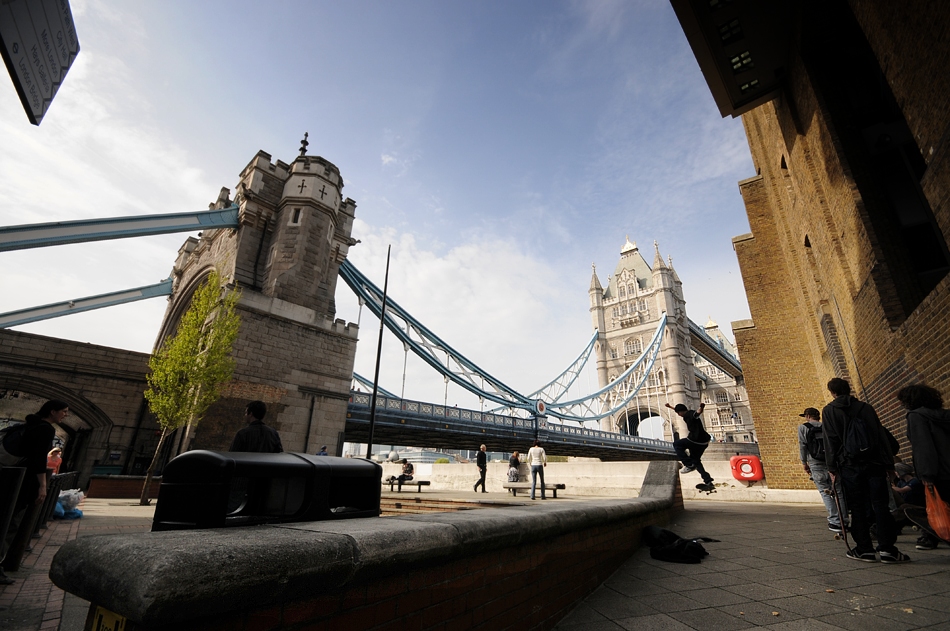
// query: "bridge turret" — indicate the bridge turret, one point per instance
point(599, 322)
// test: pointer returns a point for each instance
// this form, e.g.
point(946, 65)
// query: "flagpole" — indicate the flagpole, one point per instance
point(379, 353)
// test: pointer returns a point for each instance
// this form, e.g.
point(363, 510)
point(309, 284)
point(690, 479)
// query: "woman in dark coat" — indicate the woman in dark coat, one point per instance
point(928, 426)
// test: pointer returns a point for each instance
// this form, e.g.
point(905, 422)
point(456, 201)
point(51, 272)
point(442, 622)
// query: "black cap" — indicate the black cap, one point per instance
point(811, 413)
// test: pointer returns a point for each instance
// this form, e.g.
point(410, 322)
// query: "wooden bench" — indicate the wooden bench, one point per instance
point(514, 486)
point(417, 483)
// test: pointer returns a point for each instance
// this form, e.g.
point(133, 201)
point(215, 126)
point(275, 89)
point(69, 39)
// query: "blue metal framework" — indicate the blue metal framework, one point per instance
point(56, 309)
point(366, 383)
point(39, 235)
point(401, 421)
point(458, 369)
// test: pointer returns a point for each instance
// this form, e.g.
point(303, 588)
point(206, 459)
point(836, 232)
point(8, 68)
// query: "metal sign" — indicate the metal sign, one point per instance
point(38, 42)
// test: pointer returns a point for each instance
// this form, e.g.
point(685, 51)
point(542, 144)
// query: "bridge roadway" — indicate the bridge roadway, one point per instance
point(405, 422)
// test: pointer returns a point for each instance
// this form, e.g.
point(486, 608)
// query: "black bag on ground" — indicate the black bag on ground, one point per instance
point(666, 545)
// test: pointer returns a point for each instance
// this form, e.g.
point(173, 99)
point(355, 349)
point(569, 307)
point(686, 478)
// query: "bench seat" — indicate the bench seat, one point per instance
point(418, 484)
point(515, 486)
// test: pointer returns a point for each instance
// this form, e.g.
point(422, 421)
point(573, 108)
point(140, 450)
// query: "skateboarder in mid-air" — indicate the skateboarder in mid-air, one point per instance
point(690, 450)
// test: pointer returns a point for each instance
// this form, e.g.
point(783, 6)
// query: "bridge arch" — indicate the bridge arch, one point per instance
point(628, 421)
point(180, 301)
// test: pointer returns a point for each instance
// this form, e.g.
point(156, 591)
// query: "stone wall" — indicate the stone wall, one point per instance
point(102, 385)
point(517, 567)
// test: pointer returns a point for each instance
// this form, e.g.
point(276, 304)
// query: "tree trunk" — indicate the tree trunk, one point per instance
point(144, 500)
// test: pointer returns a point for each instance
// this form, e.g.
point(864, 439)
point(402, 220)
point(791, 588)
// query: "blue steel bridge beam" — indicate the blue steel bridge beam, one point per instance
point(41, 235)
point(57, 309)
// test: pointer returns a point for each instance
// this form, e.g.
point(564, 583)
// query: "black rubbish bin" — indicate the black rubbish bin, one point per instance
point(209, 489)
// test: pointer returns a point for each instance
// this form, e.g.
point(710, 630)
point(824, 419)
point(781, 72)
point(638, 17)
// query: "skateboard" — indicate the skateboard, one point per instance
point(917, 515)
point(844, 531)
point(707, 488)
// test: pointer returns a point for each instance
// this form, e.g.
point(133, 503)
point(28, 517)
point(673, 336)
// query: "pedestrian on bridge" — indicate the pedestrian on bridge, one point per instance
point(537, 460)
point(481, 461)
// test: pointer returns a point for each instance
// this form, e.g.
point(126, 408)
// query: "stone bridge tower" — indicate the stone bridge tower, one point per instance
point(284, 258)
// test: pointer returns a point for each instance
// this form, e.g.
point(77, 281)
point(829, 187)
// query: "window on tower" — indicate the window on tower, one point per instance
point(722, 396)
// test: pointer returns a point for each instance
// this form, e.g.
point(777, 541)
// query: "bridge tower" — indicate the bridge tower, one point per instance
point(284, 258)
point(626, 313)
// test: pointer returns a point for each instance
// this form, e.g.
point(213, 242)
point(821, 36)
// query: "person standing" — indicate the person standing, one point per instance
point(811, 451)
point(858, 450)
point(257, 437)
point(323, 451)
point(28, 446)
point(537, 460)
point(928, 426)
point(690, 450)
point(481, 461)
point(54, 460)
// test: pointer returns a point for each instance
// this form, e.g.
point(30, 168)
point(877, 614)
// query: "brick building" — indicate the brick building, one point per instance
point(845, 106)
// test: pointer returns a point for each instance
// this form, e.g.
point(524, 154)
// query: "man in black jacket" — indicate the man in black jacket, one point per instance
point(858, 451)
point(481, 461)
point(690, 450)
point(256, 436)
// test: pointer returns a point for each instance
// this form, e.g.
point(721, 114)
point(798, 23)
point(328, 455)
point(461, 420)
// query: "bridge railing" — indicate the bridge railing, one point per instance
point(547, 430)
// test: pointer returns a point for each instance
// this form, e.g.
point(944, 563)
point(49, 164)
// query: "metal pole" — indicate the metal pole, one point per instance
point(379, 354)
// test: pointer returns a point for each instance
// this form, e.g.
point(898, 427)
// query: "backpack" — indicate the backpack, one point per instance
point(857, 439)
point(666, 545)
point(815, 441)
point(11, 438)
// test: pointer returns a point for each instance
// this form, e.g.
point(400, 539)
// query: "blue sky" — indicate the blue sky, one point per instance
point(500, 147)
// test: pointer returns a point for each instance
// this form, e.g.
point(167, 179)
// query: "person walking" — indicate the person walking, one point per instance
point(690, 450)
point(537, 460)
point(28, 445)
point(928, 426)
point(257, 437)
point(811, 452)
point(858, 450)
point(481, 461)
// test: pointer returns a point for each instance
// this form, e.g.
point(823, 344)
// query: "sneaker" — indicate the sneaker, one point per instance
point(926, 543)
point(834, 528)
point(868, 557)
point(894, 557)
point(686, 470)
point(4, 579)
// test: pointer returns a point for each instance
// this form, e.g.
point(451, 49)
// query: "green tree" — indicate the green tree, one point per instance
point(188, 371)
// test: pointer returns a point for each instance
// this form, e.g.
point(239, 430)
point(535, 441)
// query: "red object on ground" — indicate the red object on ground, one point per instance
point(746, 468)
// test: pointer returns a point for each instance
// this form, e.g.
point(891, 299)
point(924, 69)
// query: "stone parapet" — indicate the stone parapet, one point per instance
point(523, 566)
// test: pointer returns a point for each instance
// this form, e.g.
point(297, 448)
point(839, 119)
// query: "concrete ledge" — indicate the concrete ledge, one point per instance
point(360, 567)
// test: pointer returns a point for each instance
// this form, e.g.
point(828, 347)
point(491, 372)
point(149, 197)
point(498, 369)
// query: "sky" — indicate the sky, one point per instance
point(500, 148)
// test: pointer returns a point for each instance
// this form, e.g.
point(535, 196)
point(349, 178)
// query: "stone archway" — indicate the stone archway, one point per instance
point(628, 421)
point(84, 446)
point(180, 301)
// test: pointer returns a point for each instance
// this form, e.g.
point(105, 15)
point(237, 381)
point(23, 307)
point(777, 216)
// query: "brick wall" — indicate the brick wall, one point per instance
point(824, 285)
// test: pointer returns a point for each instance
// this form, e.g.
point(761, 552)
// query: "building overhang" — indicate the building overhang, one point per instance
point(741, 46)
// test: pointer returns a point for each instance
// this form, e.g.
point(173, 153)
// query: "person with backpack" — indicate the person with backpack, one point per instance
point(27, 445)
point(859, 452)
point(811, 451)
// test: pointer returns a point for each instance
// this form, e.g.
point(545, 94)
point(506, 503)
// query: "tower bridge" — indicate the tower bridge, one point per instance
point(283, 238)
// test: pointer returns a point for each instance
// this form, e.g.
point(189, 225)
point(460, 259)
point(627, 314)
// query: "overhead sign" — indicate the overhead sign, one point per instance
point(38, 43)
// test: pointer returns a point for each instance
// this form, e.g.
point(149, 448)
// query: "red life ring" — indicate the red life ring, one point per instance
point(746, 468)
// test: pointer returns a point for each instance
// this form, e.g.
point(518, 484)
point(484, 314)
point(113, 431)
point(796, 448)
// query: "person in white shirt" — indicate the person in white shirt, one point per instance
point(537, 460)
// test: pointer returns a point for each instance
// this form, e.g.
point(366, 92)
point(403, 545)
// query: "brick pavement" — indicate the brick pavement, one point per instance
point(776, 566)
point(33, 603)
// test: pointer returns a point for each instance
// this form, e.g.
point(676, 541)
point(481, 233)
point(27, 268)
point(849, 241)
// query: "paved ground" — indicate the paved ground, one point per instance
point(775, 566)
point(33, 602)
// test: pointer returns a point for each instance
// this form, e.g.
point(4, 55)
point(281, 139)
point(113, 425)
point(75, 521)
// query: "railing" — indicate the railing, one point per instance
point(554, 431)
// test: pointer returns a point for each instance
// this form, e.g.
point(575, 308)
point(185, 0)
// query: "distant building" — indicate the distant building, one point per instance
point(626, 313)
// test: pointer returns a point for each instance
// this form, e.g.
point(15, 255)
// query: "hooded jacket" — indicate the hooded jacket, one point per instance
point(835, 419)
point(929, 432)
